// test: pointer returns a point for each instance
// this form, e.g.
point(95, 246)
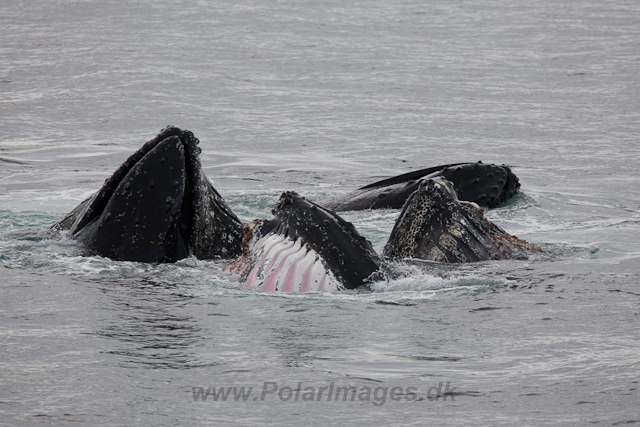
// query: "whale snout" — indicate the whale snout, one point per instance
point(157, 207)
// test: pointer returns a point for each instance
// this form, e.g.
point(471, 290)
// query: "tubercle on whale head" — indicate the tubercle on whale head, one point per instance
point(488, 184)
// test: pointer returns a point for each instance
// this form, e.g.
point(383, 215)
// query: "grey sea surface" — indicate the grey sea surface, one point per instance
point(322, 97)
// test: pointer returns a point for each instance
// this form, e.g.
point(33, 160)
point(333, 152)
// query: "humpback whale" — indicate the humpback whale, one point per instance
point(305, 247)
point(435, 225)
point(487, 185)
point(158, 206)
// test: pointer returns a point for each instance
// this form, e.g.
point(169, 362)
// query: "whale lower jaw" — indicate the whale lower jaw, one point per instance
point(280, 264)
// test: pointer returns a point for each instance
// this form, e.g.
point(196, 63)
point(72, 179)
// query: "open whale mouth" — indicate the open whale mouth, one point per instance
point(305, 247)
point(157, 207)
point(280, 263)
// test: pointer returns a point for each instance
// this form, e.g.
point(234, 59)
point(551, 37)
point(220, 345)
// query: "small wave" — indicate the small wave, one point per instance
point(54, 203)
point(518, 202)
point(426, 282)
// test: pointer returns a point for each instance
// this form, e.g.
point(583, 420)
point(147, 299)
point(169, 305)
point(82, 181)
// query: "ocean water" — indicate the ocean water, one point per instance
point(322, 97)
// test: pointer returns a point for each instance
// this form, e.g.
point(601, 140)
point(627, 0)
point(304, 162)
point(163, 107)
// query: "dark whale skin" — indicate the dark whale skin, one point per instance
point(488, 185)
point(335, 242)
point(158, 206)
point(434, 225)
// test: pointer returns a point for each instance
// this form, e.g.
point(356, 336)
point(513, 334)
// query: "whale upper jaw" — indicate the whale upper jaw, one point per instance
point(157, 207)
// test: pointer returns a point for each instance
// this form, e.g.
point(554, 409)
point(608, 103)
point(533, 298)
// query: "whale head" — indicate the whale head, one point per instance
point(157, 207)
point(434, 225)
point(305, 247)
